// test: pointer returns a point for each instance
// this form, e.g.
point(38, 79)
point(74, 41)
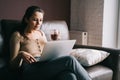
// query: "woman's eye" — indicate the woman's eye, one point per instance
point(37, 19)
point(41, 19)
point(34, 19)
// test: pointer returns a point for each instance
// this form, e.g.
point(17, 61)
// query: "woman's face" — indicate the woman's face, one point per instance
point(35, 21)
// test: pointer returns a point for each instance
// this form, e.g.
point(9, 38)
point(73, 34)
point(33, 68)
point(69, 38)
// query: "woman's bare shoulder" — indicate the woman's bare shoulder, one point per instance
point(16, 35)
point(42, 32)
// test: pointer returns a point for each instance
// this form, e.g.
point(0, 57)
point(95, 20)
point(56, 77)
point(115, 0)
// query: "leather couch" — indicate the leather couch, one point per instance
point(109, 69)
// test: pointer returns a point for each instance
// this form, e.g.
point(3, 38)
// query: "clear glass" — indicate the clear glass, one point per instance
point(55, 34)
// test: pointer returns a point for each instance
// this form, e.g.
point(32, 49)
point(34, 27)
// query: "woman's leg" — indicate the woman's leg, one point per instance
point(50, 69)
point(66, 75)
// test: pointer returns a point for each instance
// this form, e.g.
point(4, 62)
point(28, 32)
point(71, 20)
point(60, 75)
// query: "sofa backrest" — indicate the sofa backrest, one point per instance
point(1, 40)
point(8, 26)
point(59, 25)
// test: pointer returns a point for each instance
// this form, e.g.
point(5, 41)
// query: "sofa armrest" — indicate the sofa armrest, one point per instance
point(2, 63)
point(112, 61)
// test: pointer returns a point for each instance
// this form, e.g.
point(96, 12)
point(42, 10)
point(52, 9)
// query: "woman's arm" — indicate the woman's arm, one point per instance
point(15, 56)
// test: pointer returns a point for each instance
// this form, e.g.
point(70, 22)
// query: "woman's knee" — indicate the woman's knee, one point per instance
point(71, 58)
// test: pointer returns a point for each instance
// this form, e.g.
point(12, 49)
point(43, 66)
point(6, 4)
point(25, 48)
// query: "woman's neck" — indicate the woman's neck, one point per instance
point(29, 31)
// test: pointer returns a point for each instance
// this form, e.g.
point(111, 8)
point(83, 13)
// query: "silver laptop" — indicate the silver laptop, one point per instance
point(54, 49)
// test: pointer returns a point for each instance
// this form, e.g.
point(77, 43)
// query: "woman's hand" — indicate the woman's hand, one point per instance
point(28, 58)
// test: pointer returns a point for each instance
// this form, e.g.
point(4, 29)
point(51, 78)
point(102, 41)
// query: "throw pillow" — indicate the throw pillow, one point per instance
point(89, 57)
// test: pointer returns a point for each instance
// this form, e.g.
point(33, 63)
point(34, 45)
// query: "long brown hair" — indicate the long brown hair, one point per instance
point(28, 13)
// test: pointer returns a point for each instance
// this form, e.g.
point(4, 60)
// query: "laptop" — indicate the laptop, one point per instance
point(55, 49)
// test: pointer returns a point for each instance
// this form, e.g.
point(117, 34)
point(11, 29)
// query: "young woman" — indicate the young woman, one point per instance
point(26, 48)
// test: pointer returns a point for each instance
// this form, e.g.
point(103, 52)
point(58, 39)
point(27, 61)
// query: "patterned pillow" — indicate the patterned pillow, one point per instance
point(89, 57)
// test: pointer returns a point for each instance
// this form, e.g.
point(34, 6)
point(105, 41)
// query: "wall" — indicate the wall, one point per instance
point(87, 15)
point(54, 9)
point(99, 18)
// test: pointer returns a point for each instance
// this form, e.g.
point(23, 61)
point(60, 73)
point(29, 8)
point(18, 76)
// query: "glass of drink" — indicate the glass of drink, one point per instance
point(55, 34)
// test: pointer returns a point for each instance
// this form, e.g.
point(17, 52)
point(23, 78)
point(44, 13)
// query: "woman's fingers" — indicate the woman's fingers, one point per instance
point(32, 59)
point(28, 57)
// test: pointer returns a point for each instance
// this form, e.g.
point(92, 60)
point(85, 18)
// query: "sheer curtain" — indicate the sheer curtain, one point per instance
point(118, 45)
point(110, 24)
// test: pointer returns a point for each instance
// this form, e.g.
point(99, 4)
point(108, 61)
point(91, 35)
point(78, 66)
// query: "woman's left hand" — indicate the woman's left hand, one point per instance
point(27, 57)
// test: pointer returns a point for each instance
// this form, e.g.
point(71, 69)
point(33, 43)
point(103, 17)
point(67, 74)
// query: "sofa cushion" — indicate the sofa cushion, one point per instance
point(89, 57)
point(100, 72)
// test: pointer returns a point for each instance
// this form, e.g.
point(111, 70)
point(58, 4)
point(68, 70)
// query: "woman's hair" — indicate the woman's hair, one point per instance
point(29, 12)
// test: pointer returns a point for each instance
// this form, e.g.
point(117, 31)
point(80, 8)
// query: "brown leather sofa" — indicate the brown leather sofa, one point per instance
point(109, 69)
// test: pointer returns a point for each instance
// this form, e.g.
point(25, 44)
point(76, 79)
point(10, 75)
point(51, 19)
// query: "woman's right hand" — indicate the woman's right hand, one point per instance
point(27, 57)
